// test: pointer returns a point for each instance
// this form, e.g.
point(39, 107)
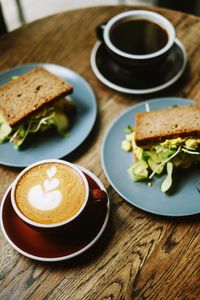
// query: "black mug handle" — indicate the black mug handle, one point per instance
point(100, 30)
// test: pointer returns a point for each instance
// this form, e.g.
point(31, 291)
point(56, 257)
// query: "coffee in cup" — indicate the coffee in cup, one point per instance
point(138, 38)
point(50, 193)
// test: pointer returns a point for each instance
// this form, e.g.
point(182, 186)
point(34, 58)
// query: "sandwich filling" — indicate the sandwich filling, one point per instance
point(158, 158)
point(54, 115)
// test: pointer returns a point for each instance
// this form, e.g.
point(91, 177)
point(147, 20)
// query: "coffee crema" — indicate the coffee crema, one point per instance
point(138, 36)
point(50, 193)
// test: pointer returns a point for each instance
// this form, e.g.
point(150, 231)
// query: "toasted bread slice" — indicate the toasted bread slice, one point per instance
point(30, 92)
point(159, 125)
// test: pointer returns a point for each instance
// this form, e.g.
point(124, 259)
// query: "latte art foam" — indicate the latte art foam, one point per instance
point(50, 193)
point(46, 196)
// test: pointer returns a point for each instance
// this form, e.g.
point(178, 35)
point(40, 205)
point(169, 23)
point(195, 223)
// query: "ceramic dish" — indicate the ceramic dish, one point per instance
point(53, 145)
point(184, 198)
point(60, 246)
point(132, 81)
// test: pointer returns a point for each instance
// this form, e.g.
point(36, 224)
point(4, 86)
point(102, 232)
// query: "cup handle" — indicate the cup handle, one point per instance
point(100, 30)
point(97, 196)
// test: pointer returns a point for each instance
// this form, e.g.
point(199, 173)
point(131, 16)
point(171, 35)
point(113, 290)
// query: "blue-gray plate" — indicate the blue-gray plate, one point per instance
point(53, 145)
point(184, 197)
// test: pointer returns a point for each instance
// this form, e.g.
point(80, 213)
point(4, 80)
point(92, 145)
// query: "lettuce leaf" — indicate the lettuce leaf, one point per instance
point(5, 130)
point(166, 184)
point(138, 171)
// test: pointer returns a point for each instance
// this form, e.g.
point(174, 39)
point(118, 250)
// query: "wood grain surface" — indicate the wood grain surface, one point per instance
point(140, 255)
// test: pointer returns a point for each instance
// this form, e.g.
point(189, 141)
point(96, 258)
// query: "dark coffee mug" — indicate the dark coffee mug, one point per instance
point(127, 59)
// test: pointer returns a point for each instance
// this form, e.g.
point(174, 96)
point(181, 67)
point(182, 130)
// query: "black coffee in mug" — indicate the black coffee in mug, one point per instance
point(138, 36)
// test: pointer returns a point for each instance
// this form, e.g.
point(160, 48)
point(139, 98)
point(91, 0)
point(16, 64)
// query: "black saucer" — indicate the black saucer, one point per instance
point(132, 81)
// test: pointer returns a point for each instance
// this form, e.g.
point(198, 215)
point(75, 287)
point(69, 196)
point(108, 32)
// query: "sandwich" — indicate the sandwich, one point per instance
point(164, 139)
point(32, 103)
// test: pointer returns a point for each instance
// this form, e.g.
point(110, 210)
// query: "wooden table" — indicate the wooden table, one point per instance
point(140, 255)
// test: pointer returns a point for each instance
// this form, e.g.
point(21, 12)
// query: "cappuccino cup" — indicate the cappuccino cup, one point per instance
point(138, 38)
point(51, 194)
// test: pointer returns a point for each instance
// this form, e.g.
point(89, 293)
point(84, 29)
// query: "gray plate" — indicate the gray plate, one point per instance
point(183, 200)
point(53, 145)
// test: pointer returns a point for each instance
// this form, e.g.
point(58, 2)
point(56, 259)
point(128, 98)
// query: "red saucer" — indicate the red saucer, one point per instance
point(59, 245)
